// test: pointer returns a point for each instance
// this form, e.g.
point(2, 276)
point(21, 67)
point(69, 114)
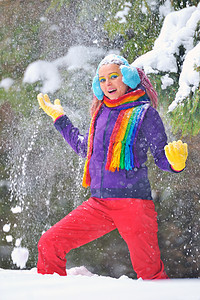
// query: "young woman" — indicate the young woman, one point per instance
point(123, 126)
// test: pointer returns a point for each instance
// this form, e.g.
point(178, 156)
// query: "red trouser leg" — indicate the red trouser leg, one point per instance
point(84, 224)
point(135, 219)
point(137, 224)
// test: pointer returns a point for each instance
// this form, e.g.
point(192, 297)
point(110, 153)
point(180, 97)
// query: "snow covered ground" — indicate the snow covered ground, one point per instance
point(80, 284)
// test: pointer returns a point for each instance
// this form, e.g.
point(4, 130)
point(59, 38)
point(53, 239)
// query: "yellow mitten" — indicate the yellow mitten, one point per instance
point(53, 110)
point(176, 153)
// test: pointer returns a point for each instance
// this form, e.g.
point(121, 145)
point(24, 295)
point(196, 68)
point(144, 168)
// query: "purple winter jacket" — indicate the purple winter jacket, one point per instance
point(122, 183)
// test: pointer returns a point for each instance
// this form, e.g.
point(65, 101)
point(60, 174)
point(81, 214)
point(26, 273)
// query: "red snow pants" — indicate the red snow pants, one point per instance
point(135, 219)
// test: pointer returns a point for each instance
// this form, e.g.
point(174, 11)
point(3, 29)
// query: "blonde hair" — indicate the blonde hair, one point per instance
point(94, 105)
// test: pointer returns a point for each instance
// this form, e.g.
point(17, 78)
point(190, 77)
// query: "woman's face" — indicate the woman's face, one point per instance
point(110, 78)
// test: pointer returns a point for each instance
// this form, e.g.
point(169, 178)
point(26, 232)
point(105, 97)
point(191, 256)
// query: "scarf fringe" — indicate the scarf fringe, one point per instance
point(112, 139)
point(117, 146)
point(86, 177)
point(115, 162)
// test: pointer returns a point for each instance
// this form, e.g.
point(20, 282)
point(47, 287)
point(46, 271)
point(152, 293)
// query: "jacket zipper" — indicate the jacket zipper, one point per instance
point(105, 154)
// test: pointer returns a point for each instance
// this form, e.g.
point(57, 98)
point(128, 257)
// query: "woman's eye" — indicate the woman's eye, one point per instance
point(114, 75)
point(102, 80)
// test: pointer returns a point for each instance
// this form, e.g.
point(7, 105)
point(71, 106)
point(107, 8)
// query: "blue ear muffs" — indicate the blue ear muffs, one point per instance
point(96, 88)
point(130, 76)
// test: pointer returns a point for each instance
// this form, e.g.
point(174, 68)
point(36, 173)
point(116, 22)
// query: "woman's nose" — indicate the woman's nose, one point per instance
point(108, 81)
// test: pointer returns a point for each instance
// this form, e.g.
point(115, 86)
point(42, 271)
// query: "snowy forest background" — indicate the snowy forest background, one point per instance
point(54, 47)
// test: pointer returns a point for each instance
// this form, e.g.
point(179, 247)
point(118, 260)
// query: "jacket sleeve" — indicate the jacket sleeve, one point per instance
point(157, 139)
point(71, 134)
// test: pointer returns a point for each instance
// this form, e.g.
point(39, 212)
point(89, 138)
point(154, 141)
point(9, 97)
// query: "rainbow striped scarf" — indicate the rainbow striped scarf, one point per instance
point(132, 107)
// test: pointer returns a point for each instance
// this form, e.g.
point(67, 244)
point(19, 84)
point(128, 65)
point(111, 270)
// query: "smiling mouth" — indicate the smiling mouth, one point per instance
point(112, 91)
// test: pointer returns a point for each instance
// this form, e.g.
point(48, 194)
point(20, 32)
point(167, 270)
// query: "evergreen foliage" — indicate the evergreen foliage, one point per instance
point(135, 34)
point(186, 116)
point(19, 43)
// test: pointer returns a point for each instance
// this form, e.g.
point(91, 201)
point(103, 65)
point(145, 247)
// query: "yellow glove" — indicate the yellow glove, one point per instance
point(53, 110)
point(176, 153)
